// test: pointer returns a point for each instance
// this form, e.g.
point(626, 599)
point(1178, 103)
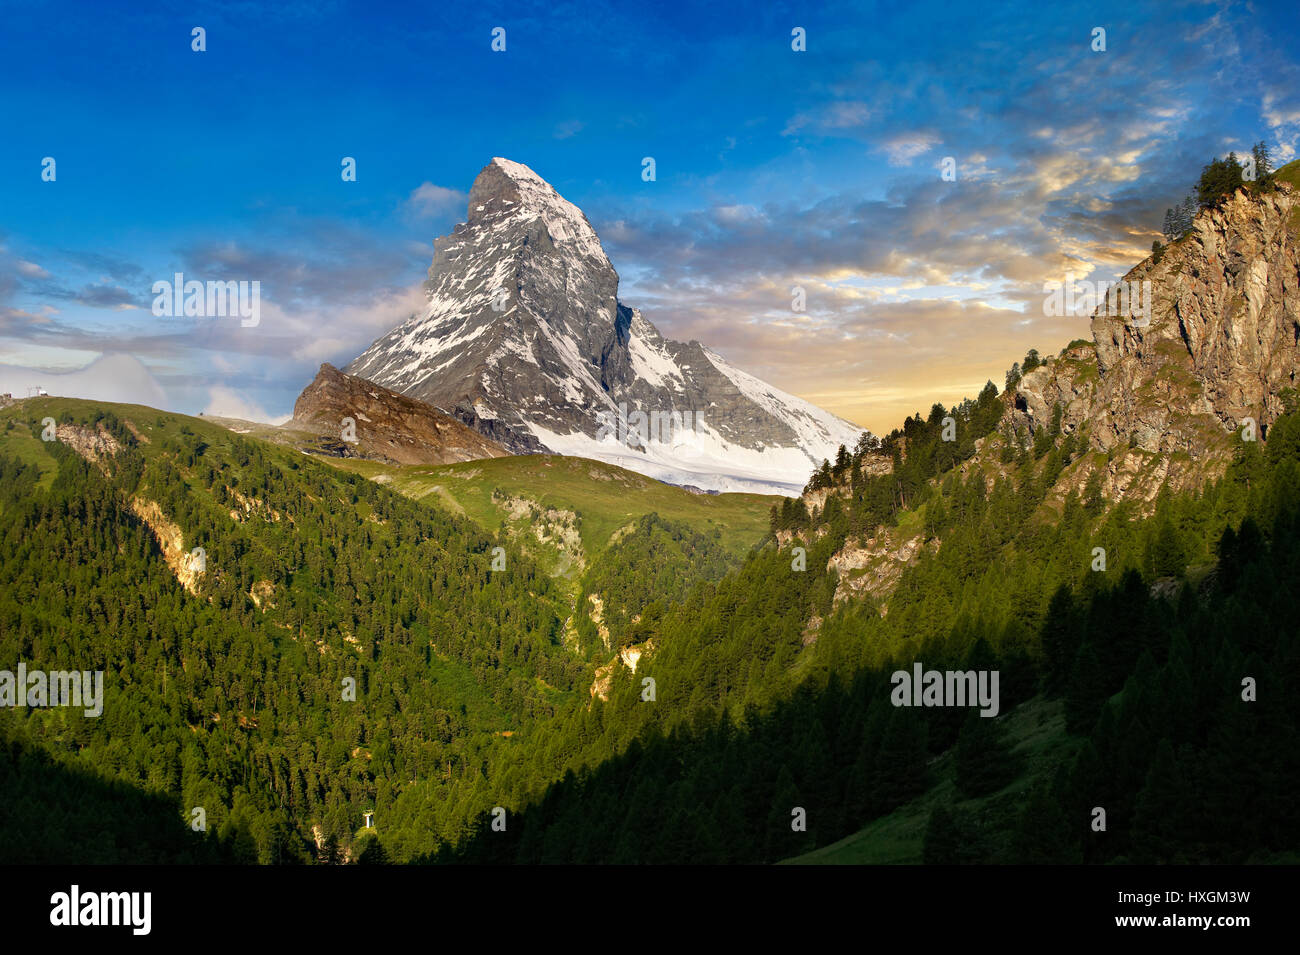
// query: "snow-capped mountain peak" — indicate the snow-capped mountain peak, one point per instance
point(533, 198)
point(524, 339)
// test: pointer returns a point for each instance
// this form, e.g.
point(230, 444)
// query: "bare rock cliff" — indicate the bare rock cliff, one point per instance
point(1222, 343)
point(385, 426)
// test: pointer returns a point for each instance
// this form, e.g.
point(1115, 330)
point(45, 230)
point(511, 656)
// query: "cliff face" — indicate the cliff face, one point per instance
point(386, 426)
point(1225, 320)
point(1222, 344)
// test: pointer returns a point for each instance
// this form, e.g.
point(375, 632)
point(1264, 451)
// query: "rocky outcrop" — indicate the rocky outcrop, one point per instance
point(551, 534)
point(93, 444)
point(261, 593)
point(1159, 399)
point(384, 425)
point(873, 567)
point(604, 679)
point(629, 657)
point(1224, 337)
point(186, 565)
point(1173, 389)
point(597, 615)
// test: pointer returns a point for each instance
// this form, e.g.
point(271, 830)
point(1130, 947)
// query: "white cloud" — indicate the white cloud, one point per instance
point(738, 214)
point(428, 200)
point(842, 114)
point(323, 334)
point(903, 149)
point(227, 403)
point(120, 378)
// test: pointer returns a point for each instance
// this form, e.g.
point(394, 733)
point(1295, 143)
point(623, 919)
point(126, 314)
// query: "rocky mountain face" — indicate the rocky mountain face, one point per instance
point(525, 340)
point(1219, 345)
point(357, 418)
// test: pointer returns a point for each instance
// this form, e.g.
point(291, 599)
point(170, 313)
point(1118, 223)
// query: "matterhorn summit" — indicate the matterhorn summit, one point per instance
point(525, 340)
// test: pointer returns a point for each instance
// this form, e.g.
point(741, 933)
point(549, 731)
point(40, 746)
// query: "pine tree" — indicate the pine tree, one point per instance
point(841, 461)
point(1263, 163)
point(371, 851)
point(1218, 181)
point(983, 757)
point(1013, 375)
point(899, 771)
point(1185, 215)
point(1162, 808)
point(1042, 833)
point(1085, 692)
point(1166, 555)
point(1060, 640)
point(780, 840)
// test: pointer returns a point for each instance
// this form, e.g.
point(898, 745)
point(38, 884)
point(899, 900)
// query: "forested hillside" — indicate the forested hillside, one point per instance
point(650, 567)
point(225, 689)
point(1149, 656)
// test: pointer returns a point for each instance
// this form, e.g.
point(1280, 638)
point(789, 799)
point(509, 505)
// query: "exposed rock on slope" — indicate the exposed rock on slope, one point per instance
point(183, 563)
point(1223, 342)
point(874, 566)
point(629, 657)
point(92, 444)
point(1224, 339)
point(387, 426)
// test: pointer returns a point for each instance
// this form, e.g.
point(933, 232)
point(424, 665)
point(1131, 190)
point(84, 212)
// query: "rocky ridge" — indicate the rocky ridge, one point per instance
point(384, 425)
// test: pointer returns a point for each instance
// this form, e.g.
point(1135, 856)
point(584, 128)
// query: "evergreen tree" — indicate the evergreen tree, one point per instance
point(983, 757)
point(900, 770)
point(1042, 833)
point(1163, 805)
point(1263, 163)
point(1085, 692)
point(1218, 180)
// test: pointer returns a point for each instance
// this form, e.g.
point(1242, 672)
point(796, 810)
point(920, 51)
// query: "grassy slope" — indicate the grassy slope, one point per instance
point(1037, 731)
point(1289, 173)
point(605, 497)
point(599, 500)
point(27, 447)
point(146, 419)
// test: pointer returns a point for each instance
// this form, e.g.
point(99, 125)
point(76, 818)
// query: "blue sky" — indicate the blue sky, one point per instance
point(775, 168)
